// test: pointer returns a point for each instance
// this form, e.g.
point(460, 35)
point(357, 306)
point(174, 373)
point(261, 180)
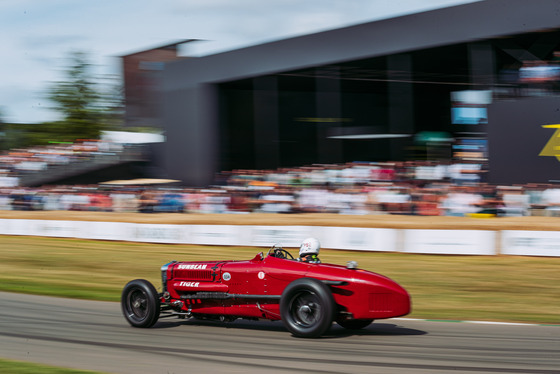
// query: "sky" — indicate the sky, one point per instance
point(37, 36)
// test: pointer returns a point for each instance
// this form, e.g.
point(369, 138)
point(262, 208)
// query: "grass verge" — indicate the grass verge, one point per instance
point(490, 288)
point(19, 367)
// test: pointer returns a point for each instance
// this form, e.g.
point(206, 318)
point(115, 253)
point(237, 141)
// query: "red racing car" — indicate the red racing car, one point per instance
point(307, 297)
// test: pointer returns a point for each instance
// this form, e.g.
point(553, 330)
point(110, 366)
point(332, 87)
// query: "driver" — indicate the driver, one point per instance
point(309, 251)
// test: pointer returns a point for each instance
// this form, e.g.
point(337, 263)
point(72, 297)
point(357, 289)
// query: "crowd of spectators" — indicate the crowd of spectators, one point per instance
point(15, 163)
point(407, 188)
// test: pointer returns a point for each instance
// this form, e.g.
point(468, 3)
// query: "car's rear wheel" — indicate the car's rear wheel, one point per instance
point(140, 303)
point(307, 307)
point(354, 324)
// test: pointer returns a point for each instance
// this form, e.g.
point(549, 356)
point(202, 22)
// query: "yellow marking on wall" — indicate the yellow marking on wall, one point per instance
point(552, 147)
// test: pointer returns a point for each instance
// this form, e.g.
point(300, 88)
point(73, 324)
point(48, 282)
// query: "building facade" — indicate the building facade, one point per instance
point(369, 92)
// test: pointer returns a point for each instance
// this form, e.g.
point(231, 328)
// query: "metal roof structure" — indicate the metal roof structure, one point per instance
point(453, 25)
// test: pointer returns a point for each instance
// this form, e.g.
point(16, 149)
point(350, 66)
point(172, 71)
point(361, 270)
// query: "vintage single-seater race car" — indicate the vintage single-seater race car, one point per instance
point(307, 297)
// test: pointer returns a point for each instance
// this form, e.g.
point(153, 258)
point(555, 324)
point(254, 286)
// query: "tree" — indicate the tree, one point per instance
point(85, 108)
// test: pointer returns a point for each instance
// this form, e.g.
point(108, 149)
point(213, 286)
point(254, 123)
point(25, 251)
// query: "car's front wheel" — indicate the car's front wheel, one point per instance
point(307, 307)
point(140, 303)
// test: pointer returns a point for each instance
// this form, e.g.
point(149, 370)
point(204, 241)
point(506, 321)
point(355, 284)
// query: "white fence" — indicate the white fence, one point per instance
point(456, 242)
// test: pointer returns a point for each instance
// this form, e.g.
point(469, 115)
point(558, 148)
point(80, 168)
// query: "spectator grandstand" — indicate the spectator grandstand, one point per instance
point(44, 164)
point(425, 188)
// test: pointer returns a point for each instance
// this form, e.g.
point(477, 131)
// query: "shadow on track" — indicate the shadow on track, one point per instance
point(375, 329)
point(336, 331)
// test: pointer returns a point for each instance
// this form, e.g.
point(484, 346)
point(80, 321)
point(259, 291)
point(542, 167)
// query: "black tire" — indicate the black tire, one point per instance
point(307, 308)
point(354, 324)
point(140, 303)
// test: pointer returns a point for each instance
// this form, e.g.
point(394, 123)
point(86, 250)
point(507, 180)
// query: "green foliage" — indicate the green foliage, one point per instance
point(87, 104)
point(19, 135)
point(146, 129)
point(76, 97)
point(86, 109)
point(18, 367)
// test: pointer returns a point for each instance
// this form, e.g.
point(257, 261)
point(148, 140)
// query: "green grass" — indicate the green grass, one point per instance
point(18, 367)
point(491, 288)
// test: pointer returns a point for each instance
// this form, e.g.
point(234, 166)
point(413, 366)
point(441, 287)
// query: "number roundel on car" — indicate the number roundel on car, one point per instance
point(226, 276)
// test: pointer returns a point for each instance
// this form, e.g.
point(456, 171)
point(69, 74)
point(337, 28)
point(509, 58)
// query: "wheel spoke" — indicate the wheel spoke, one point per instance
point(305, 309)
point(138, 304)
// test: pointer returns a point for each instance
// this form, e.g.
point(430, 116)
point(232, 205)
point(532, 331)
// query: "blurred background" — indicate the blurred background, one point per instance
point(392, 108)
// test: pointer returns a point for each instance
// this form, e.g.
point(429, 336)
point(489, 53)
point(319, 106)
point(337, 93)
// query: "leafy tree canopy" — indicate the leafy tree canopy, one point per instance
point(87, 103)
point(86, 109)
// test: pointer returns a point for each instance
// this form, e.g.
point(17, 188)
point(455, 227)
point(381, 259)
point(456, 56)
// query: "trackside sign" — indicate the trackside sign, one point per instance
point(454, 242)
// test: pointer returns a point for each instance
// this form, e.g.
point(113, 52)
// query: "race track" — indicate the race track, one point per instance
point(94, 335)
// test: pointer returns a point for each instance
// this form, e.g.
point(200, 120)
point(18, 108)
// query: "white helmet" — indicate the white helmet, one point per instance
point(309, 246)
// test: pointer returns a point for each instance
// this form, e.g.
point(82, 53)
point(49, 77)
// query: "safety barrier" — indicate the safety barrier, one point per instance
point(450, 242)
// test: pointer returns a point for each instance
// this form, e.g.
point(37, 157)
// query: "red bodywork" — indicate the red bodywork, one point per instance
point(252, 289)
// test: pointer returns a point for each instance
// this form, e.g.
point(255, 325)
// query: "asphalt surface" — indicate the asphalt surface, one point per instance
point(94, 336)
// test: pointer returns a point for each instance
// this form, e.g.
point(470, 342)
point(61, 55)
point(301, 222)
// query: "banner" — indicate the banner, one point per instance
point(531, 243)
point(453, 242)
